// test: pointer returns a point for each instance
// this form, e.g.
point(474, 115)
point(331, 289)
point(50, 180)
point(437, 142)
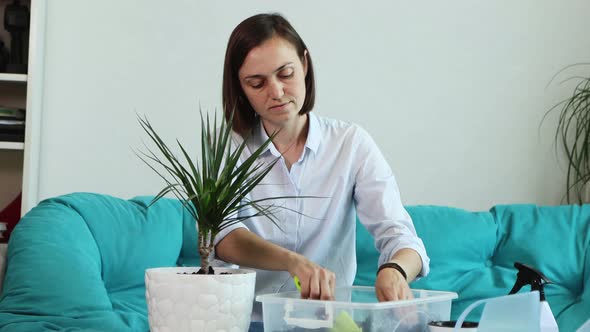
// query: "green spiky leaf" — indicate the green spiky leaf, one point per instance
point(216, 188)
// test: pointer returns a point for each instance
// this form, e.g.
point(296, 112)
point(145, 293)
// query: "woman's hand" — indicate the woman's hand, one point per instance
point(391, 286)
point(316, 281)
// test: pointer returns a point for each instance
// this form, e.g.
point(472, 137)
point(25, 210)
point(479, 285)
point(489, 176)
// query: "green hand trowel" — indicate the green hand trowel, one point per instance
point(297, 283)
point(344, 323)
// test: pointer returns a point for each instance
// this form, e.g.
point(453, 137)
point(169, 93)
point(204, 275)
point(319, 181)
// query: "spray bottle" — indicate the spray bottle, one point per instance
point(529, 276)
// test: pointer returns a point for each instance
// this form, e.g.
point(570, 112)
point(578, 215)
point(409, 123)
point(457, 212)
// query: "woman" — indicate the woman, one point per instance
point(269, 81)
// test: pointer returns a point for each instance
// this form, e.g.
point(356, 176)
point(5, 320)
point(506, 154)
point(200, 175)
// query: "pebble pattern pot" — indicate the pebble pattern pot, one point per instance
point(187, 302)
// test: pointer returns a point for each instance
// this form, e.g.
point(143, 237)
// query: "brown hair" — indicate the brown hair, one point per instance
point(252, 32)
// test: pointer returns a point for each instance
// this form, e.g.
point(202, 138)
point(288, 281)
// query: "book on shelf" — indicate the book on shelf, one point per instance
point(9, 113)
point(16, 138)
point(9, 122)
point(12, 124)
point(12, 137)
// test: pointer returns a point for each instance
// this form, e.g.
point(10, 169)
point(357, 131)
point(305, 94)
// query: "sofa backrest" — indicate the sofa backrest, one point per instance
point(71, 264)
point(77, 261)
point(473, 254)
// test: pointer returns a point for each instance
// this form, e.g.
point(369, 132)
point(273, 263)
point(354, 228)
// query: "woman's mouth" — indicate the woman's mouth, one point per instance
point(279, 107)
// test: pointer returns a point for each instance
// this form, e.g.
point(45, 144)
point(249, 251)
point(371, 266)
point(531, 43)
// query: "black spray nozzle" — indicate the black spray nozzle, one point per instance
point(527, 275)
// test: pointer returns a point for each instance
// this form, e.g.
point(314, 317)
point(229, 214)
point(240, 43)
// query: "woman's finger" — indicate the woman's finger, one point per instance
point(326, 289)
point(304, 280)
point(333, 284)
point(314, 286)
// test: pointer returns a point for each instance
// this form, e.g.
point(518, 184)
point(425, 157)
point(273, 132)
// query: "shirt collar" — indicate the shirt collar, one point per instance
point(313, 136)
point(261, 137)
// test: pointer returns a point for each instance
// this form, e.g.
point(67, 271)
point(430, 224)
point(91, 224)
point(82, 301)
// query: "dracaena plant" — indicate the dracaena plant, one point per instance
point(216, 188)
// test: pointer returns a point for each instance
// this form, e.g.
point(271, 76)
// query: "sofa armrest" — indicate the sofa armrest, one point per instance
point(3, 248)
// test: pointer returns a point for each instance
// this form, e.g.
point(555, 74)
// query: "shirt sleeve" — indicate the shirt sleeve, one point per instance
point(214, 260)
point(226, 231)
point(379, 206)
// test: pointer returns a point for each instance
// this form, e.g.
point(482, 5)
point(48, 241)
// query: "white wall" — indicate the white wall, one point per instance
point(452, 91)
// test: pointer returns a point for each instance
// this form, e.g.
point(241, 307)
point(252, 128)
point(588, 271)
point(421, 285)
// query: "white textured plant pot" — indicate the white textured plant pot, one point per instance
point(186, 302)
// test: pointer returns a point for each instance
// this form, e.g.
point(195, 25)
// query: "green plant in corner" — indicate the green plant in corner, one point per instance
point(215, 189)
point(573, 132)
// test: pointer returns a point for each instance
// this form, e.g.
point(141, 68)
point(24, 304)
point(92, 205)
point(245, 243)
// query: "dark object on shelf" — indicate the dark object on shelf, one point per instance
point(16, 22)
point(3, 57)
point(12, 124)
point(12, 134)
point(11, 113)
point(11, 215)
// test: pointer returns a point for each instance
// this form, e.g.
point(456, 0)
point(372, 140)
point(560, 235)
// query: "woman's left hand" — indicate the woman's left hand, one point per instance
point(391, 286)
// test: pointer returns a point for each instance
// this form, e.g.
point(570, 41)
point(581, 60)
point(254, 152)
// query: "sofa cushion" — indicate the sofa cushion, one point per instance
point(555, 240)
point(473, 254)
point(78, 261)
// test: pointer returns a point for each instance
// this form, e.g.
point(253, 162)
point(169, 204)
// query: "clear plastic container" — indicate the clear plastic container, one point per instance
point(355, 309)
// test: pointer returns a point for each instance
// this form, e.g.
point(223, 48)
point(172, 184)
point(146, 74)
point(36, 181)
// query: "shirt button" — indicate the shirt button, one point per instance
point(489, 263)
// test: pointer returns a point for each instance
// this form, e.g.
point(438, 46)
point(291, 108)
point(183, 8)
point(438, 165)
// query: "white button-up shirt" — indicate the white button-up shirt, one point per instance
point(343, 167)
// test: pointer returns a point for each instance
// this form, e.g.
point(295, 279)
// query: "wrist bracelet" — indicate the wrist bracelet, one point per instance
point(393, 266)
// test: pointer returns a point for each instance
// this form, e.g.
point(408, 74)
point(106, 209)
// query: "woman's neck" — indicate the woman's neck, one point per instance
point(291, 136)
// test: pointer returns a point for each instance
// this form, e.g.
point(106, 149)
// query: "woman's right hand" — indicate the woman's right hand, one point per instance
point(316, 281)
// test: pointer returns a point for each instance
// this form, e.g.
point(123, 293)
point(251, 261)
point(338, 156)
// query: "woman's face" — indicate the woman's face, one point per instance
point(273, 79)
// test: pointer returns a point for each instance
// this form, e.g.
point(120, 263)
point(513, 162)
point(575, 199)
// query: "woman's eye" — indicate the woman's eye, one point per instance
point(286, 73)
point(256, 84)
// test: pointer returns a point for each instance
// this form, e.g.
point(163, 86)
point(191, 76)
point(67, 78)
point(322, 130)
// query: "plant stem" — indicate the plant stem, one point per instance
point(205, 249)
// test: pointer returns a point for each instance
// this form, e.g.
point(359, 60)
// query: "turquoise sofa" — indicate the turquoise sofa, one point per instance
point(76, 262)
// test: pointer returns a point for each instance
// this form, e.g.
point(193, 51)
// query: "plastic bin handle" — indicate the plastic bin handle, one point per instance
point(466, 312)
point(308, 323)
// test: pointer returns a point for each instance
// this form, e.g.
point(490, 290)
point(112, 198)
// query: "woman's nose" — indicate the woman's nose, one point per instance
point(275, 89)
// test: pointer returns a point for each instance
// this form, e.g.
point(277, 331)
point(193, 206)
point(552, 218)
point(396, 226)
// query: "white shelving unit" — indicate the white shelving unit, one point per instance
point(12, 146)
point(11, 83)
point(22, 78)
point(18, 160)
point(4, 77)
point(13, 94)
